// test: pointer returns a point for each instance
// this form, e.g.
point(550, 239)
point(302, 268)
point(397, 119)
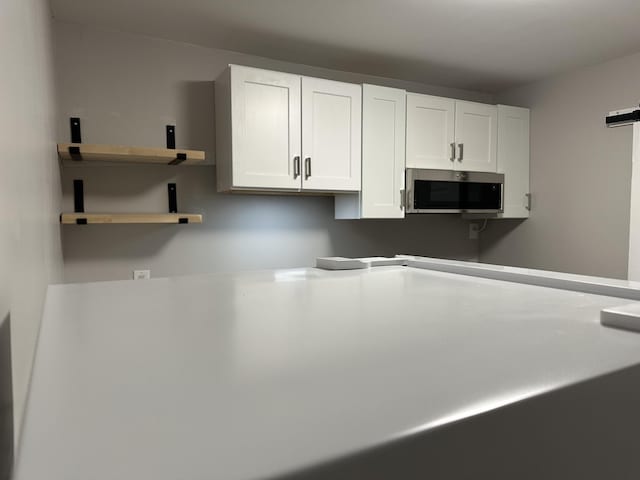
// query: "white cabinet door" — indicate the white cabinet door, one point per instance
point(476, 136)
point(383, 157)
point(265, 110)
point(430, 131)
point(331, 135)
point(513, 159)
point(383, 151)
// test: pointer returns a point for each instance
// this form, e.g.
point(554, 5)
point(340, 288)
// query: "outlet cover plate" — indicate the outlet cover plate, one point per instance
point(141, 274)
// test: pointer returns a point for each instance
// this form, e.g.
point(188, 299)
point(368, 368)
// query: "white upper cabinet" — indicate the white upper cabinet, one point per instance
point(476, 136)
point(383, 151)
point(383, 157)
point(430, 132)
point(265, 128)
point(513, 160)
point(447, 134)
point(282, 132)
point(331, 135)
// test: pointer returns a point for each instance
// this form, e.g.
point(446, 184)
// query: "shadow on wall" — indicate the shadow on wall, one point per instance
point(6, 401)
point(501, 232)
point(431, 235)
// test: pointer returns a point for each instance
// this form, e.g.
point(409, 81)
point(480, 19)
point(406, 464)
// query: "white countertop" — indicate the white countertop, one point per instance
point(252, 375)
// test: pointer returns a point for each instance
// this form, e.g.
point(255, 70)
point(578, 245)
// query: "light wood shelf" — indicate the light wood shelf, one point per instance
point(128, 218)
point(122, 154)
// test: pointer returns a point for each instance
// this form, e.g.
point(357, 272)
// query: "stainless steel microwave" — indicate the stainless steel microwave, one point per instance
point(449, 191)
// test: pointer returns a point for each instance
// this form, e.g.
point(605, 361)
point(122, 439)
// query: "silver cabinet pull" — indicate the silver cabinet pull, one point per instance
point(402, 199)
point(528, 200)
point(307, 167)
point(296, 167)
point(453, 151)
point(461, 149)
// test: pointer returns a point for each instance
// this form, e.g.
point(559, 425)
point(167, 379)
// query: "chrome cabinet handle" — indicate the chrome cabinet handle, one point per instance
point(296, 167)
point(461, 149)
point(453, 151)
point(307, 167)
point(528, 200)
point(402, 199)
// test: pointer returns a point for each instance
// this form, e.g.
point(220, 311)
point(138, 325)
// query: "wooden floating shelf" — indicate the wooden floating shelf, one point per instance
point(77, 153)
point(128, 218)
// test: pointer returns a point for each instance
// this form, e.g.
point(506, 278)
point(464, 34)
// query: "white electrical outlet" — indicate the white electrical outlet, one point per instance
point(141, 274)
point(474, 231)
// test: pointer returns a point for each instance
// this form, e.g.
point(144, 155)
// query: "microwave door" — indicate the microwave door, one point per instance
point(448, 191)
point(436, 196)
point(477, 196)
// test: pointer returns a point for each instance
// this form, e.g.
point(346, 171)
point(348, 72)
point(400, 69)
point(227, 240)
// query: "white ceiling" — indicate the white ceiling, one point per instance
point(477, 44)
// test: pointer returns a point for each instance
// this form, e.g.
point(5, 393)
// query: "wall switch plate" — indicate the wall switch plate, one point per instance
point(141, 274)
point(474, 231)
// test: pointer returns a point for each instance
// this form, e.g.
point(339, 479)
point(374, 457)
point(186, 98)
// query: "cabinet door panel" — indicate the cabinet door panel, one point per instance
point(513, 159)
point(266, 128)
point(331, 135)
point(476, 130)
point(383, 151)
point(430, 131)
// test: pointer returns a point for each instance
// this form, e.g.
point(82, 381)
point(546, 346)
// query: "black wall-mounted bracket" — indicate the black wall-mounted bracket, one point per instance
point(180, 157)
point(173, 202)
point(78, 196)
point(74, 153)
point(173, 198)
point(171, 137)
point(171, 145)
point(76, 137)
point(76, 134)
point(78, 200)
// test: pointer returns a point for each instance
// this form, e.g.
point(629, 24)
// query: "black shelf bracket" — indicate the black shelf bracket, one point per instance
point(171, 137)
point(74, 153)
point(173, 198)
point(171, 145)
point(78, 196)
point(76, 135)
point(180, 157)
point(78, 200)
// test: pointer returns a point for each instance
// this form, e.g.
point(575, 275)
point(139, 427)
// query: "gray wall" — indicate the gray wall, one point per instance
point(126, 88)
point(240, 232)
point(30, 254)
point(580, 175)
